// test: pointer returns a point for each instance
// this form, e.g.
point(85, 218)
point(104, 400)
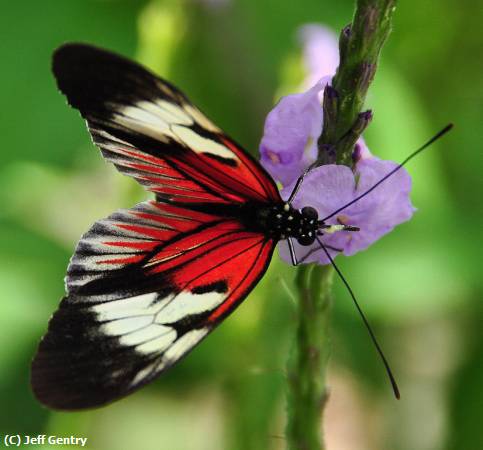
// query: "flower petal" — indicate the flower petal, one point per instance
point(289, 142)
point(320, 51)
point(384, 208)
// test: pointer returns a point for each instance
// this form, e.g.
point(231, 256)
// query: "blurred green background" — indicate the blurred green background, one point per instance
point(420, 286)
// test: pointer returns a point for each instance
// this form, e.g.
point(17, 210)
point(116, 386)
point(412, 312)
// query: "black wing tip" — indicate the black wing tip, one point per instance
point(90, 76)
point(68, 56)
point(47, 388)
point(50, 388)
point(77, 51)
point(49, 395)
point(69, 62)
point(80, 54)
point(73, 367)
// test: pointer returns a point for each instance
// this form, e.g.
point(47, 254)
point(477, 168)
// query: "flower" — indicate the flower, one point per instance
point(320, 53)
point(289, 146)
point(289, 142)
point(330, 187)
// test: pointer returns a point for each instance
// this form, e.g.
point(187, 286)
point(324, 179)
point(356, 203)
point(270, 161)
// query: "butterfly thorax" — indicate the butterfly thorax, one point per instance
point(282, 221)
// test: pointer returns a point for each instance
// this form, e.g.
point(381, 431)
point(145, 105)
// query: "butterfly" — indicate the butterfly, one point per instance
point(147, 284)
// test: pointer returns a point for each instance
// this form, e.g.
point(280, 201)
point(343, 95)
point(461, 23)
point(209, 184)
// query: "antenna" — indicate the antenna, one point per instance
point(394, 385)
point(392, 172)
point(300, 179)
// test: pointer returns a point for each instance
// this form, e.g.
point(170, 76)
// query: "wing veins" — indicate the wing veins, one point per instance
point(177, 267)
point(209, 270)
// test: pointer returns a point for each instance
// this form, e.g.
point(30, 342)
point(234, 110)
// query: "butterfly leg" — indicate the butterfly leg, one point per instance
point(313, 250)
point(299, 183)
point(292, 252)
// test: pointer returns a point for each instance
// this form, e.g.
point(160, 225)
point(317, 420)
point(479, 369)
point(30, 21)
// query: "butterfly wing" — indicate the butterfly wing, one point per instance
point(144, 287)
point(152, 132)
point(147, 284)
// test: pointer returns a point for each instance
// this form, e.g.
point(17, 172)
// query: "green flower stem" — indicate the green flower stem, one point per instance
point(359, 45)
point(307, 365)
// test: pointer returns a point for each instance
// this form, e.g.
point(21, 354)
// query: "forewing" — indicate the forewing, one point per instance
point(152, 132)
point(140, 296)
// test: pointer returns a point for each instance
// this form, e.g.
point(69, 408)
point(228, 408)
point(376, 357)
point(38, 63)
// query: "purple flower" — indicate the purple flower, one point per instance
point(289, 142)
point(329, 187)
point(320, 53)
point(289, 145)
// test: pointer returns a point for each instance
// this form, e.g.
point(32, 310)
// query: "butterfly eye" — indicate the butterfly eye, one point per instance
point(309, 213)
point(306, 239)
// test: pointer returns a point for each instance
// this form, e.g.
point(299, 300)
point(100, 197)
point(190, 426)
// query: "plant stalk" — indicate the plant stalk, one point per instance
point(307, 392)
point(360, 44)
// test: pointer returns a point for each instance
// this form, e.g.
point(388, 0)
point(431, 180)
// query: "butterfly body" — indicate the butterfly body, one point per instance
point(283, 221)
point(277, 220)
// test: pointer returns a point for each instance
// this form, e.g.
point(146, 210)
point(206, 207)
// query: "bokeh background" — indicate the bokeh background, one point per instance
point(420, 286)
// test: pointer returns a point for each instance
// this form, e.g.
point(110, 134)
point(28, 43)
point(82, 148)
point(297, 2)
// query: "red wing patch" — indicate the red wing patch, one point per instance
point(126, 237)
point(144, 287)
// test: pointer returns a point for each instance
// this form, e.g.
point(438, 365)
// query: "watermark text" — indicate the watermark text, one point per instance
point(16, 440)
